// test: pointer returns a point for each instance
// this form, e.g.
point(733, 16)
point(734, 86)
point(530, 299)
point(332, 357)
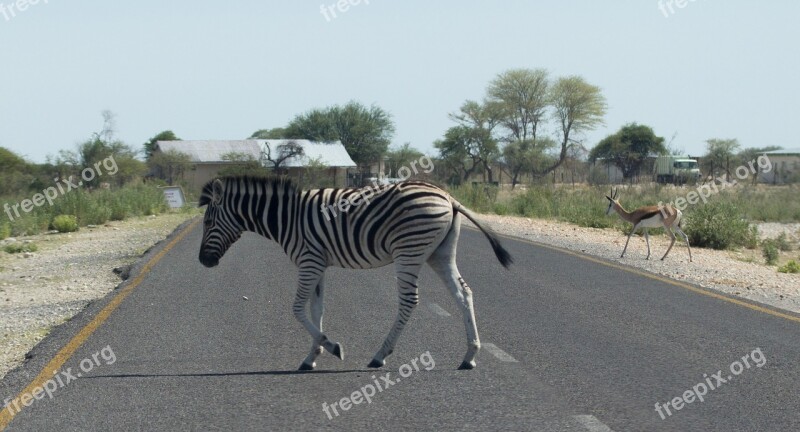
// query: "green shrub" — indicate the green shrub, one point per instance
point(769, 249)
point(717, 225)
point(790, 267)
point(65, 223)
point(751, 240)
point(5, 231)
point(32, 223)
point(501, 209)
point(21, 247)
point(84, 205)
point(783, 242)
point(479, 198)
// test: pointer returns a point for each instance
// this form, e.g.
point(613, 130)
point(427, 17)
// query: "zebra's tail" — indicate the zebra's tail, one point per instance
point(502, 254)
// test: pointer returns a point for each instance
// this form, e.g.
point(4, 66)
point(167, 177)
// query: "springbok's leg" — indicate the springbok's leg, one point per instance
point(317, 309)
point(672, 236)
point(443, 262)
point(647, 240)
point(309, 278)
point(686, 239)
point(407, 274)
point(629, 239)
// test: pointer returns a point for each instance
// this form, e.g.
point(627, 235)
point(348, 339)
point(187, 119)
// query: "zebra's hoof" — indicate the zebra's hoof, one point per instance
point(306, 367)
point(337, 351)
point(376, 363)
point(467, 365)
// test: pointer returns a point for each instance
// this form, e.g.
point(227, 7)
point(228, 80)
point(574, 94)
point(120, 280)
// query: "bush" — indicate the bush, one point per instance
point(718, 225)
point(751, 241)
point(479, 198)
point(5, 231)
point(501, 209)
point(769, 249)
point(21, 247)
point(65, 223)
point(790, 267)
point(783, 242)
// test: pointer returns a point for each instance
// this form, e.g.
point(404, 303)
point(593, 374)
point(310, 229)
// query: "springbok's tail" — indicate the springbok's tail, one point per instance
point(502, 254)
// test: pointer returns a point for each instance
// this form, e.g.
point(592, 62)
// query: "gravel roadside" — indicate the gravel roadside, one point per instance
point(738, 273)
point(45, 288)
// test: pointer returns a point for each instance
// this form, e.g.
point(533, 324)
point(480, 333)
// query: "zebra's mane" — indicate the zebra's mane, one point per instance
point(284, 184)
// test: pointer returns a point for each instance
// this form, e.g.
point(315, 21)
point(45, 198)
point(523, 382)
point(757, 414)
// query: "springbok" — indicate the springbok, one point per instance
point(646, 217)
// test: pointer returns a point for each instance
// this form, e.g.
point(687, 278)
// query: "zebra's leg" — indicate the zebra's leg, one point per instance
point(309, 278)
point(317, 309)
point(443, 262)
point(407, 276)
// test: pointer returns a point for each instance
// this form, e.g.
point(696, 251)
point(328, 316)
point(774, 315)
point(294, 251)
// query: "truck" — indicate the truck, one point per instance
point(676, 169)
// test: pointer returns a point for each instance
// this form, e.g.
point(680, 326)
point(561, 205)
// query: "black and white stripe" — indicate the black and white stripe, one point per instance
point(407, 224)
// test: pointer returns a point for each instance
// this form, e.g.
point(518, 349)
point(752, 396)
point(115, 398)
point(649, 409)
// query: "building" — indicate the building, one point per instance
point(328, 161)
point(785, 166)
point(320, 164)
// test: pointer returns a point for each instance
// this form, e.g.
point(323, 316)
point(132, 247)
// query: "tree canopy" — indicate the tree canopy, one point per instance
point(511, 121)
point(150, 145)
point(628, 148)
point(364, 132)
point(721, 155)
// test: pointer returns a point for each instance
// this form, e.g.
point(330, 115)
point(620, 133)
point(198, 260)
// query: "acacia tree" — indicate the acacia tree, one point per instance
point(719, 154)
point(521, 97)
point(283, 152)
point(102, 149)
point(401, 156)
point(364, 132)
point(170, 165)
point(527, 156)
point(628, 148)
point(480, 120)
point(578, 107)
point(466, 149)
point(518, 105)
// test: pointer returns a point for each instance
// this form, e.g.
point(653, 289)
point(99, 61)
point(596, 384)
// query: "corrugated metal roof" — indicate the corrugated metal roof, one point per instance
point(212, 150)
point(331, 154)
point(789, 151)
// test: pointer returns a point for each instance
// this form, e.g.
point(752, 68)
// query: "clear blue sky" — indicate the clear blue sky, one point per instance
point(221, 70)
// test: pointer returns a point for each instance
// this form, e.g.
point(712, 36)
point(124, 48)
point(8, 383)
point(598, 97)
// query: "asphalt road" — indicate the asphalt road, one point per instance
point(570, 344)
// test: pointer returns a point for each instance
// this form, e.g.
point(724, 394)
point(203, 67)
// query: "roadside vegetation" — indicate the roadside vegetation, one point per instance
point(724, 222)
point(101, 180)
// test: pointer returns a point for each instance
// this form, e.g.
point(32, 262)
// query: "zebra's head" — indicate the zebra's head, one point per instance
point(220, 226)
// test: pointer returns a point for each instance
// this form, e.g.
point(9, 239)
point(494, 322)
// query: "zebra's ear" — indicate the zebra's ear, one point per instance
point(216, 188)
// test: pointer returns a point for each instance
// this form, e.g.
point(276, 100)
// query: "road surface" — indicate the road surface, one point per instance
point(570, 343)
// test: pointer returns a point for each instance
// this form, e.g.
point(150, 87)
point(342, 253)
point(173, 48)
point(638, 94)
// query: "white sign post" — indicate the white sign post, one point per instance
point(174, 196)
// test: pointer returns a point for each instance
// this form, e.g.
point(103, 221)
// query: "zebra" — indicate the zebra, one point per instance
point(407, 223)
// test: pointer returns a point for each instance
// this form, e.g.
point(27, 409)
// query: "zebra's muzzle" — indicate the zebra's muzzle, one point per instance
point(209, 260)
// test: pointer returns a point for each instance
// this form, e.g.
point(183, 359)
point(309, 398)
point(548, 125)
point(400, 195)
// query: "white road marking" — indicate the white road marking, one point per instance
point(591, 423)
point(497, 352)
point(438, 309)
